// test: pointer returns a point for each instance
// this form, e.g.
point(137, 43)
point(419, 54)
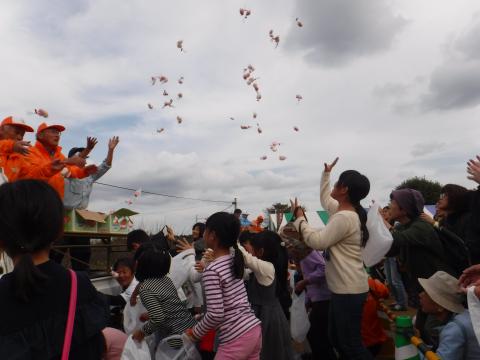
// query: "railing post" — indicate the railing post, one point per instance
point(109, 255)
point(404, 350)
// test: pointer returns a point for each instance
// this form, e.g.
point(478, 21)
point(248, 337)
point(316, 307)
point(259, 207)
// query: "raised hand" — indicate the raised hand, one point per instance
point(91, 142)
point(296, 209)
point(473, 169)
point(183, 245)
point(208, 256)
point(21, 147)
point(328, 168)
point(113, 142)
point(427, 218)
point(470, 276)
point(170, 233)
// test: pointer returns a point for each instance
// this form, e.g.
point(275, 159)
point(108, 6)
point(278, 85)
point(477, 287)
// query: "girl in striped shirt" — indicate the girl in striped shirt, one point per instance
point(228, 309)
point(167, 314)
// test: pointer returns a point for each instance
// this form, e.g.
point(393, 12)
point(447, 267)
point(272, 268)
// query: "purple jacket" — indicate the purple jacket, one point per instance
point(313, 269)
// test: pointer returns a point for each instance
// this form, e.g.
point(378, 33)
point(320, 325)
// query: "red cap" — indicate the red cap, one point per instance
point(16, 122)
point(44, 126)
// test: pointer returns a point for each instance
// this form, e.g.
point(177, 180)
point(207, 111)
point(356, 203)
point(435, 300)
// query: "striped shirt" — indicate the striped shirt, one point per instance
point(166, 312)
point(228, 309)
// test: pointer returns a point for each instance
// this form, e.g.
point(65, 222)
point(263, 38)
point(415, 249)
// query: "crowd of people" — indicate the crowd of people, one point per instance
point(228, 289)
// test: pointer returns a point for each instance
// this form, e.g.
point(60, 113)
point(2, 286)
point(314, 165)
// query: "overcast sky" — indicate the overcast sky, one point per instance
point(392, 87)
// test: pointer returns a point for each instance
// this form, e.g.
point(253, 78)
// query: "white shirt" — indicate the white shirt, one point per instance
point(127, 293)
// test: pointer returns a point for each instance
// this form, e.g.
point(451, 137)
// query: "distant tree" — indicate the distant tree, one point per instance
point(430, 189)
point(283, 208)
point(278, 207)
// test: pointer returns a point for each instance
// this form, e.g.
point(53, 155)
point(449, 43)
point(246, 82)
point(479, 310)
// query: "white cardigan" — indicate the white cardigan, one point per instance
point(344, 271)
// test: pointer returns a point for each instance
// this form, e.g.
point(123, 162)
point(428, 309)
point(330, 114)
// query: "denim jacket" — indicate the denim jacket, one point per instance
point(458, 341)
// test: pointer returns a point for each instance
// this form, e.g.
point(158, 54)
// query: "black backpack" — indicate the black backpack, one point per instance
point(457, 255)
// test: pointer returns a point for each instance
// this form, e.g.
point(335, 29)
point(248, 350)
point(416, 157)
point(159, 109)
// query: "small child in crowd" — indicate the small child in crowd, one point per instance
point(167, 314)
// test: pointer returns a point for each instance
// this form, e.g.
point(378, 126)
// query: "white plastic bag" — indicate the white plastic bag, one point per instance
point(131, 317)
point(380, 239)
point(180, 267)
point(131, 322)
point(180, 270)
point(299, 323)
point(474, 308)
point(188, 351)
point(191, 352)
point(6, 263)
point(135, 351)
point(3, 177)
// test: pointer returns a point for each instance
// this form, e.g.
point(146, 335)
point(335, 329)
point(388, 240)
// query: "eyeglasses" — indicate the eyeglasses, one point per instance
point(443, 196)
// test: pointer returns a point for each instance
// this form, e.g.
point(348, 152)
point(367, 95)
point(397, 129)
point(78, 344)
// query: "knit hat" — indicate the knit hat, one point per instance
point(443, 289)
point(409, 200)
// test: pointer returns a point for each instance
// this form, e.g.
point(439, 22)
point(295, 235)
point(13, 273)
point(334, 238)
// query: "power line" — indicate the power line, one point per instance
point(182, 209)
point(166, 195)
point(228, 207)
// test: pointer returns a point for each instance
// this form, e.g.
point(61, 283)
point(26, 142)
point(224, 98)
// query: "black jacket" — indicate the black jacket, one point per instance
point(472, 231)
point(419, 249)
point(36, 330)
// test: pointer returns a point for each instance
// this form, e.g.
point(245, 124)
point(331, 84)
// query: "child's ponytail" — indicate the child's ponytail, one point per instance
point(238, 262)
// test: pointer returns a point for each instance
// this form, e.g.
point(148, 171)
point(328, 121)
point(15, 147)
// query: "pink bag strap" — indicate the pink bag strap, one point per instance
point(67, 342)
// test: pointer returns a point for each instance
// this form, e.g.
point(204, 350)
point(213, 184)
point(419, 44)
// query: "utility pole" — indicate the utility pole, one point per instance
point(234, 203)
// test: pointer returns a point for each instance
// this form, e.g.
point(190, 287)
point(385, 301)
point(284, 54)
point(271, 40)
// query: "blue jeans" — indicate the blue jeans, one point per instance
point(345, 321)
point(394, 279)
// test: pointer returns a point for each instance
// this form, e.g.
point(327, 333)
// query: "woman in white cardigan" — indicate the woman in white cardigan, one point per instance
point(342, 239)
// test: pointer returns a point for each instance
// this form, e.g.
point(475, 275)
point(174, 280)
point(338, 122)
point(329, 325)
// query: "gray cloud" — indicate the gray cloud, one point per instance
point(467, 44)
point(423, 149)
point(338, 31)
point(391, 90)
point(455, 85)
point(452, 85)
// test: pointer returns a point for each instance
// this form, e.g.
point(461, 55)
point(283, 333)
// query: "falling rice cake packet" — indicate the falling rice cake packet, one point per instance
point(41, 112)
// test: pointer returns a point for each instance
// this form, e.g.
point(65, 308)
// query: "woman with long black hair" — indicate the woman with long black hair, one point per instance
point(342, 239)
point(34, 297)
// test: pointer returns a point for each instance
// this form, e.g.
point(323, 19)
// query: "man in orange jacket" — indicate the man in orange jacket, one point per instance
point(13, 148)
point(46, 162)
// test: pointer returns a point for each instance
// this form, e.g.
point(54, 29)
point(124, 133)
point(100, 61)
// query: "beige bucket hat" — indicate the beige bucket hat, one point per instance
point(444, 290)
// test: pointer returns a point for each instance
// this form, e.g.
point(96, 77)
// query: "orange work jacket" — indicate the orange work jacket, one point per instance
point(38, 166)
point(12, 164)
